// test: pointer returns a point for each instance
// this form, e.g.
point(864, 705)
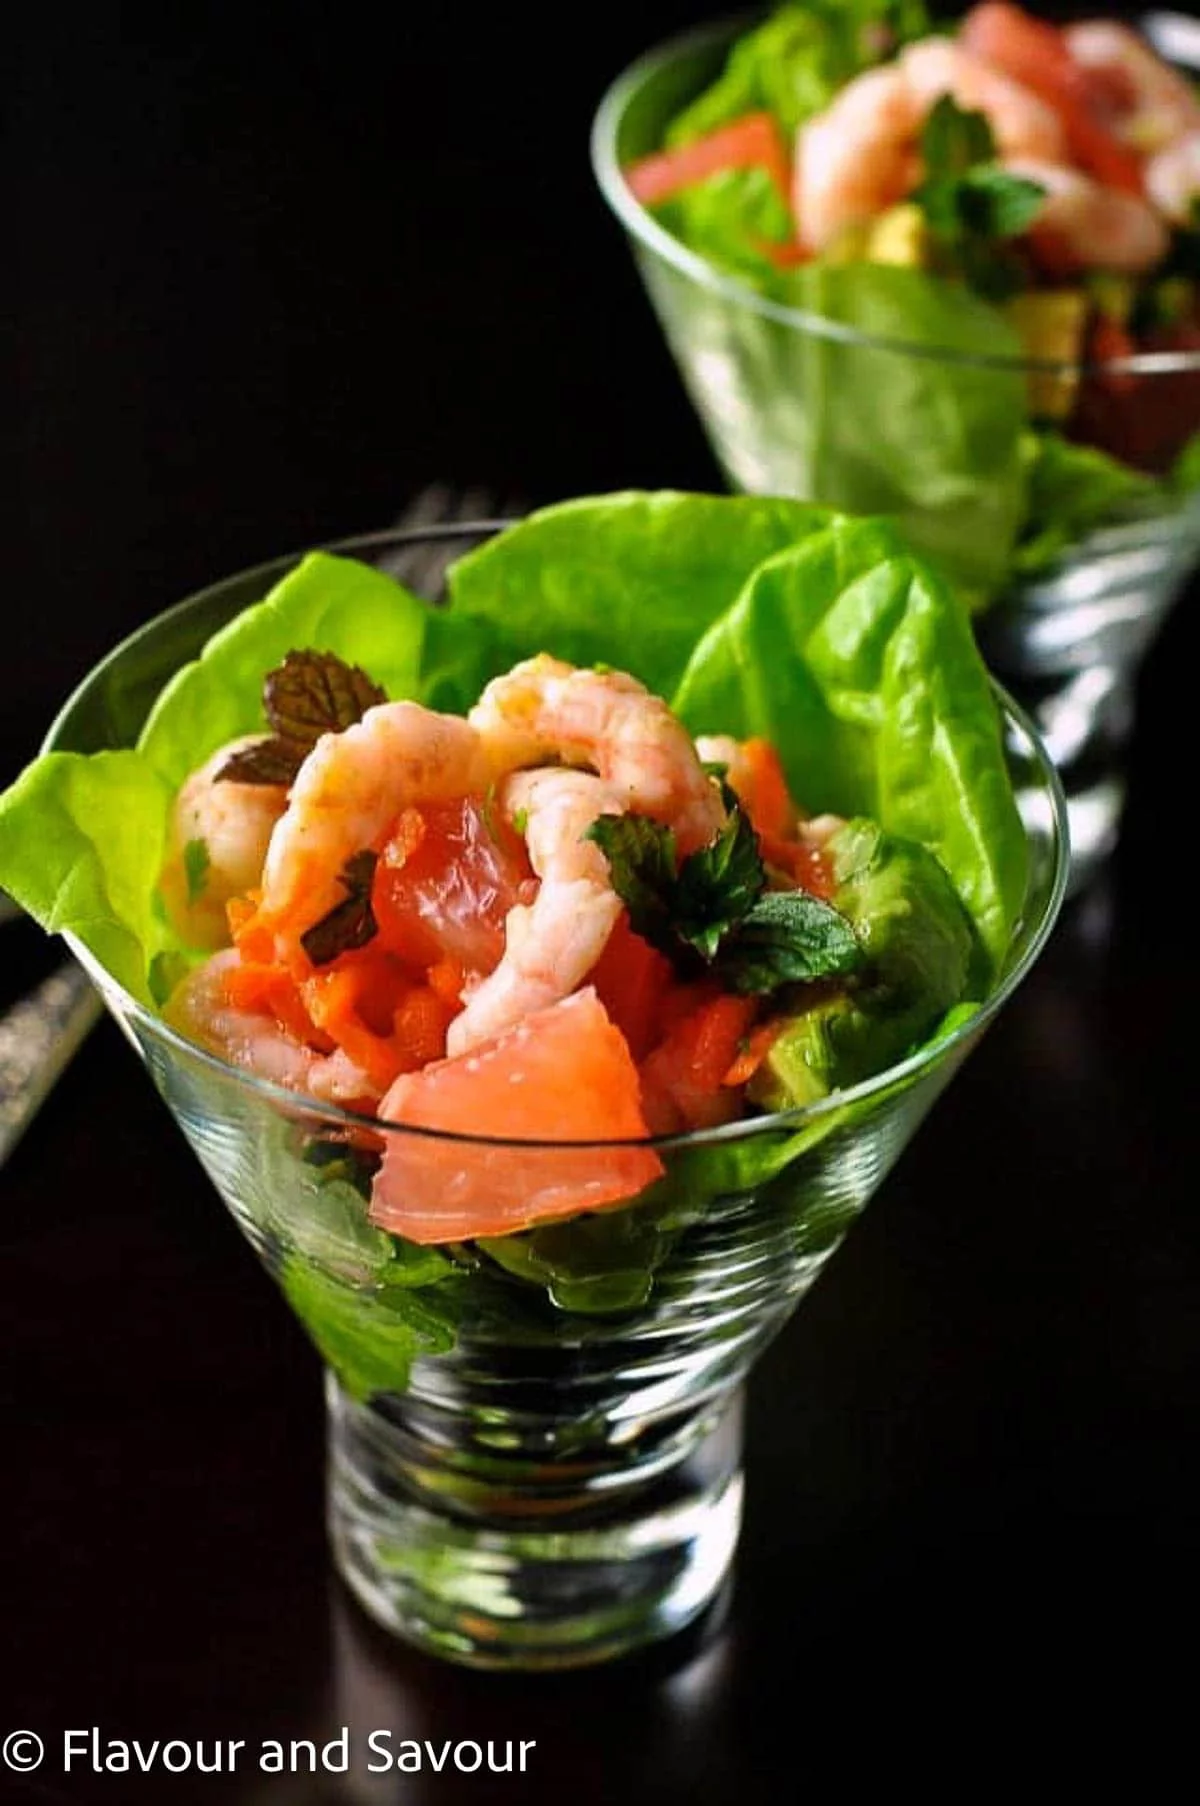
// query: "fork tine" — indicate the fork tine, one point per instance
point(423, 567)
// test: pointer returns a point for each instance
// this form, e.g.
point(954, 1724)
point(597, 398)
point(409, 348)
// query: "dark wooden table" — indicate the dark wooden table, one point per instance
point(266, 287)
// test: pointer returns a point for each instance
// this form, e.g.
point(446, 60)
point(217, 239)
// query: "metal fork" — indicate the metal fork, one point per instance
point(423, 567)
point(40, 1035)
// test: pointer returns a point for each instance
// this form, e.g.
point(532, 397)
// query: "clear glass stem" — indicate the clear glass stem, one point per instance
point(533, 1564)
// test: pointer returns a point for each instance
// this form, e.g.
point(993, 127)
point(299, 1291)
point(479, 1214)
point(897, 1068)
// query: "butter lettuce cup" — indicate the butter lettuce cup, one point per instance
point(536, 1330)
point(1055, 479)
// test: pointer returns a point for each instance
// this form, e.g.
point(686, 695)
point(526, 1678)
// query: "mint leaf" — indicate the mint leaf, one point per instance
point(997, 204)
point(641, 861)
point(685, 911)
point(788, 937)
point(954, 139)
point(309, 694)
point(315, 693)
point(348, 924)
point(718, 884)
point(271, 760)
point(971, 204)
point(715, 911)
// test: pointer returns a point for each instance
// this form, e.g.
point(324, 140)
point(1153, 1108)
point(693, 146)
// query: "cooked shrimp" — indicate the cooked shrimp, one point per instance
point(723, 749)
point(1023, 124)
point(552, 943)
point(543, 709)
point(1173, 179)
point(1091, 226)
point(741, 775)
point(228, 824)
point(199, 1008)
point(860, 156)
point(857, 158)
point(348, 792)
point(1149, 106)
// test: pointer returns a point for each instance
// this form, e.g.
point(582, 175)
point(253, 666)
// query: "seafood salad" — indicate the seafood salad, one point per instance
point(1000, 187)
point(558, 918)
point(503, 943)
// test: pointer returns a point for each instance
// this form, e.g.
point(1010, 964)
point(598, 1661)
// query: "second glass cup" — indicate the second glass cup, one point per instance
point(844, 401)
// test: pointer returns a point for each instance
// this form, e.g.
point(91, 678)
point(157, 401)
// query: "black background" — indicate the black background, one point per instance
point(268, 275)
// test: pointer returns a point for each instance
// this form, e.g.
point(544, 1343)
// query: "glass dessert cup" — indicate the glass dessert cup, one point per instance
point(535, 1446)
point(805, 403)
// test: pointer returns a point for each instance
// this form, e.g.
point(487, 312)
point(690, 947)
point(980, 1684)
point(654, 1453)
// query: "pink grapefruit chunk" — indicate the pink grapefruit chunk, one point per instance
point(564, 1074)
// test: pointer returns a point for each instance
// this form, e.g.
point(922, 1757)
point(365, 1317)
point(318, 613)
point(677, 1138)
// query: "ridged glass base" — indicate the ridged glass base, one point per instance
point(523, 1570)
point(1069, 645)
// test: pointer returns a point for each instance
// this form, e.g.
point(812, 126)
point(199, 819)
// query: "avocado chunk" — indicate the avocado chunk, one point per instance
point(899, 236)
point(1051, 323)
point(919, 947)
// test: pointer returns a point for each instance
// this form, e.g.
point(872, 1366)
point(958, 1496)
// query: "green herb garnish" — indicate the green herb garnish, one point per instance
point(788, 937)
point(195, 868)
point(714, 911)
point(350, 923)
point(970, 202)
point(309, 694)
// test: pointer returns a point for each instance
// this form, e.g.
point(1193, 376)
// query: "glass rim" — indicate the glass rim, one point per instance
point(296, 1103)
point(643, 227)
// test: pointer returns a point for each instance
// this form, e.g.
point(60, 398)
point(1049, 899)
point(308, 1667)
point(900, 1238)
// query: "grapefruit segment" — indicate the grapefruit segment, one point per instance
point(445, 881)
point(564, 1074)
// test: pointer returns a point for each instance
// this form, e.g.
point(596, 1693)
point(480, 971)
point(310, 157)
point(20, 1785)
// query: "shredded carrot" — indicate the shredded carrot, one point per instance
point(269, 989)
point(784, 256)
point(253, 934)
point(421, 1021)
point(355, 1001)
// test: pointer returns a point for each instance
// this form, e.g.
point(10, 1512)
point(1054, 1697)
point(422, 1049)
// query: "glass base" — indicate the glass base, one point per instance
point(519, 1570)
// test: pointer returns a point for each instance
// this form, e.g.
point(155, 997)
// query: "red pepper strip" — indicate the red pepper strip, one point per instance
point(1035, 54)
point(683, 1079)
point(754, 1051)
point(753, 139)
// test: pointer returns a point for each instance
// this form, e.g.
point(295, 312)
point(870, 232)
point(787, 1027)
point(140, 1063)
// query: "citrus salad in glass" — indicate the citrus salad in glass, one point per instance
point(998, 188)
point(546, 979)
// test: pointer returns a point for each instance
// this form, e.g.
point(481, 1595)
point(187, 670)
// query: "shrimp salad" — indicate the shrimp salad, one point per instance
point(558, 918)
point(855, 161)
point(478, 969)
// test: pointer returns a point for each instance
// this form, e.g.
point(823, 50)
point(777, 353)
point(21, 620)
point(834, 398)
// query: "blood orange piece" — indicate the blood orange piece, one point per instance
point(562, 1075)
point(445, 882)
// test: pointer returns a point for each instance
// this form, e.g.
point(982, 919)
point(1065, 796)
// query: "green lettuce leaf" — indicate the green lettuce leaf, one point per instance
point(931, 439)
point(728, 218)
point(81, 847)
point(330, 604)
point(371, 1338)
point(631, 578)
point(794, 62)
point(1073, 489)
point(860, 666)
